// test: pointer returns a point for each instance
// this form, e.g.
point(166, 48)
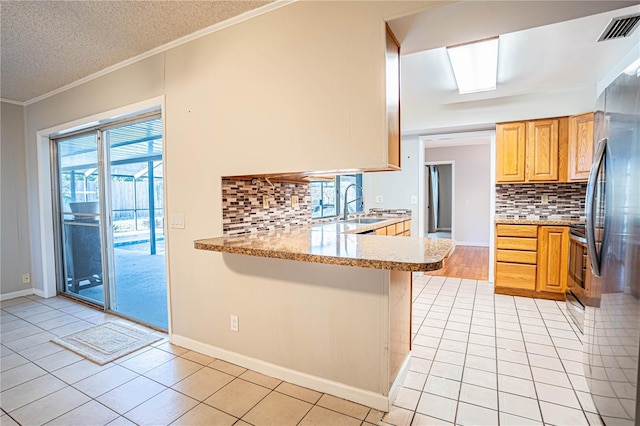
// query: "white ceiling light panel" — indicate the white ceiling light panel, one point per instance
point(475, 65)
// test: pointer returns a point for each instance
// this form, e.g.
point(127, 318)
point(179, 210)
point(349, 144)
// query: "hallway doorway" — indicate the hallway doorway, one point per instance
point(439, 199)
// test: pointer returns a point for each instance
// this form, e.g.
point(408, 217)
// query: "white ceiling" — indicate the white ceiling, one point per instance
point(46, 45)
point(545, 46)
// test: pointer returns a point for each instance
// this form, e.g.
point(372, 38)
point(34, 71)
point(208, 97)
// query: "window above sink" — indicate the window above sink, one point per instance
point(326, 200)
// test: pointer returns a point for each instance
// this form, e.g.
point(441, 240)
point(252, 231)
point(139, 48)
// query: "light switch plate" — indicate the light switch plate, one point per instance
point(378, 199)
point(265, 201)
point(414, 199)
point(294, 201)
point(176, 221)
point(545, 199)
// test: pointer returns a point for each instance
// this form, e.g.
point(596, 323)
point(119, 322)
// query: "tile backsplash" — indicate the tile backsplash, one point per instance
point(390, 212)
point(243, 210)
point(524, 201)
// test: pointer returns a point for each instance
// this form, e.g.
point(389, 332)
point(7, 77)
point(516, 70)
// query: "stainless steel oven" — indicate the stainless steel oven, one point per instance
point(579, 276)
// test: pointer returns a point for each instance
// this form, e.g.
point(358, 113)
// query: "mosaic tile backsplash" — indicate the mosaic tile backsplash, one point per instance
point(243, 211)
point(390, 212)
point(524, 201)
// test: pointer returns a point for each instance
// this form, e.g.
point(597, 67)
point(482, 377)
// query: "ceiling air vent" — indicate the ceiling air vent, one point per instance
point(620, 27)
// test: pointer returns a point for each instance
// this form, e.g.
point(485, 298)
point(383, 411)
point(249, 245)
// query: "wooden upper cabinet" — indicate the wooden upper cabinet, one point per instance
point(542, 150)
point(510, 151)
point(393, 100)
point(553, 258)
point(532, 151)
point(580, 146)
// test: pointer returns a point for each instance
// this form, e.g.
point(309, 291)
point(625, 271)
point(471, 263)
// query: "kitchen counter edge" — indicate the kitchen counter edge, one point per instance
point(395, 253)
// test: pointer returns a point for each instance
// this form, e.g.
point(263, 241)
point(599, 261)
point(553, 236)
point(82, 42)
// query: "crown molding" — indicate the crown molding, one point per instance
point(9, 101)
point(186, 39)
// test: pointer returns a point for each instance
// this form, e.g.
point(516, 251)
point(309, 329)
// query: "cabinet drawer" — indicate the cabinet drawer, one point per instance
point(399, 228)
point(516, 256)
point(517, 231)
point(381, 231)
point(391, 229)
point(514, 243)
point(514, 275)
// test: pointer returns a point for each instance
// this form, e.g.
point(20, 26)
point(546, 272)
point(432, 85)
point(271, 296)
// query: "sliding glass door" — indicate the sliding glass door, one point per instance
point(136, 189)
point(79, 189)
point(111, 211)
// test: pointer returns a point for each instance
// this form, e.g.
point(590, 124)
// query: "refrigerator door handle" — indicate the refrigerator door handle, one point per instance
point(594, 256)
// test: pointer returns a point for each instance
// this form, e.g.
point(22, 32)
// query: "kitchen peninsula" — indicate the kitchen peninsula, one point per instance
point(346, 300)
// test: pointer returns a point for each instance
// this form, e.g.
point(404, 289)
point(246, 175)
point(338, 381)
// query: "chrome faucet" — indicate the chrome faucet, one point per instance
point(345, 203)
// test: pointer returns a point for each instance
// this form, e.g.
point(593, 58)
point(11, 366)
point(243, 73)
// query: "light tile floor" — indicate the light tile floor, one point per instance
point(477, 359)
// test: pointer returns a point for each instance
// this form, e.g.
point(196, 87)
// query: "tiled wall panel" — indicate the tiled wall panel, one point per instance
point(524, 201)
point(242, 209)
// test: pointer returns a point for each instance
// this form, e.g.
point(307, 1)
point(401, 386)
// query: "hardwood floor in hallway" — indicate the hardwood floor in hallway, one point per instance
point(466, 262)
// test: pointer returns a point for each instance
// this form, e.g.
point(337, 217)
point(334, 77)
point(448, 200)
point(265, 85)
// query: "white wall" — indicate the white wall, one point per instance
point(300, 88)
point(472, 190)
point(484, 114)
point(397, 187)
point(16, 259)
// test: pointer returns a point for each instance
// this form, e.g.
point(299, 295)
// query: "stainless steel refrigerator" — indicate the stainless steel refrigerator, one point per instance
point(612, 322)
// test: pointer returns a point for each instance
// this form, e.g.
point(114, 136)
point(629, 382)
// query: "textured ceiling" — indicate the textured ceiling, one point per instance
point(45, 45)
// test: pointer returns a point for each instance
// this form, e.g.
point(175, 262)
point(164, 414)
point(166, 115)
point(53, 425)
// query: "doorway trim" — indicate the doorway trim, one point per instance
point(444, 139)
point(453, 194)
point(45, 188)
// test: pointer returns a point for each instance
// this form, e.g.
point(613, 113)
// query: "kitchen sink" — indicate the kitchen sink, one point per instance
point(364, 220)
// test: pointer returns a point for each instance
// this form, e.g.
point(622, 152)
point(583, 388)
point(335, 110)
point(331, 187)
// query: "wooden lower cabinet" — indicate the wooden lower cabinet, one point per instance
point(516, 256)
point(402, 229)
point(515, 275)
point(553, 258)
point(532, 260)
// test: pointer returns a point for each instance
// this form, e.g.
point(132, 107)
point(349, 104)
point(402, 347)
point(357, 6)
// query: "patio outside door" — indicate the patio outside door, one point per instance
point(79, 206)
point(111, 203)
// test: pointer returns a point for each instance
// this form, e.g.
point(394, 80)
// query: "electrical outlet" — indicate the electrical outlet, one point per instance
point(378, 199)
point(544, 199)
point(295, 201)
point(26, 278)
point(234, 322)
point(265, 201)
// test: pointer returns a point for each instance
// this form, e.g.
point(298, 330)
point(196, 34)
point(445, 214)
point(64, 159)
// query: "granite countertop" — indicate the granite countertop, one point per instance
point(338, 243)
point(557, 222)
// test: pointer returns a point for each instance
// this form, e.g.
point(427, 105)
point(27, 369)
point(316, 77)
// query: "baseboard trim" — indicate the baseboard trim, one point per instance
point(471, 243)
point(397, 383)
point(41, 293)
point(16, 294)
point(360, 396)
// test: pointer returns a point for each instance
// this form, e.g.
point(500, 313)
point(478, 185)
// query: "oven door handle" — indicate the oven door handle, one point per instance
point(594, 257)
point(578, 239)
